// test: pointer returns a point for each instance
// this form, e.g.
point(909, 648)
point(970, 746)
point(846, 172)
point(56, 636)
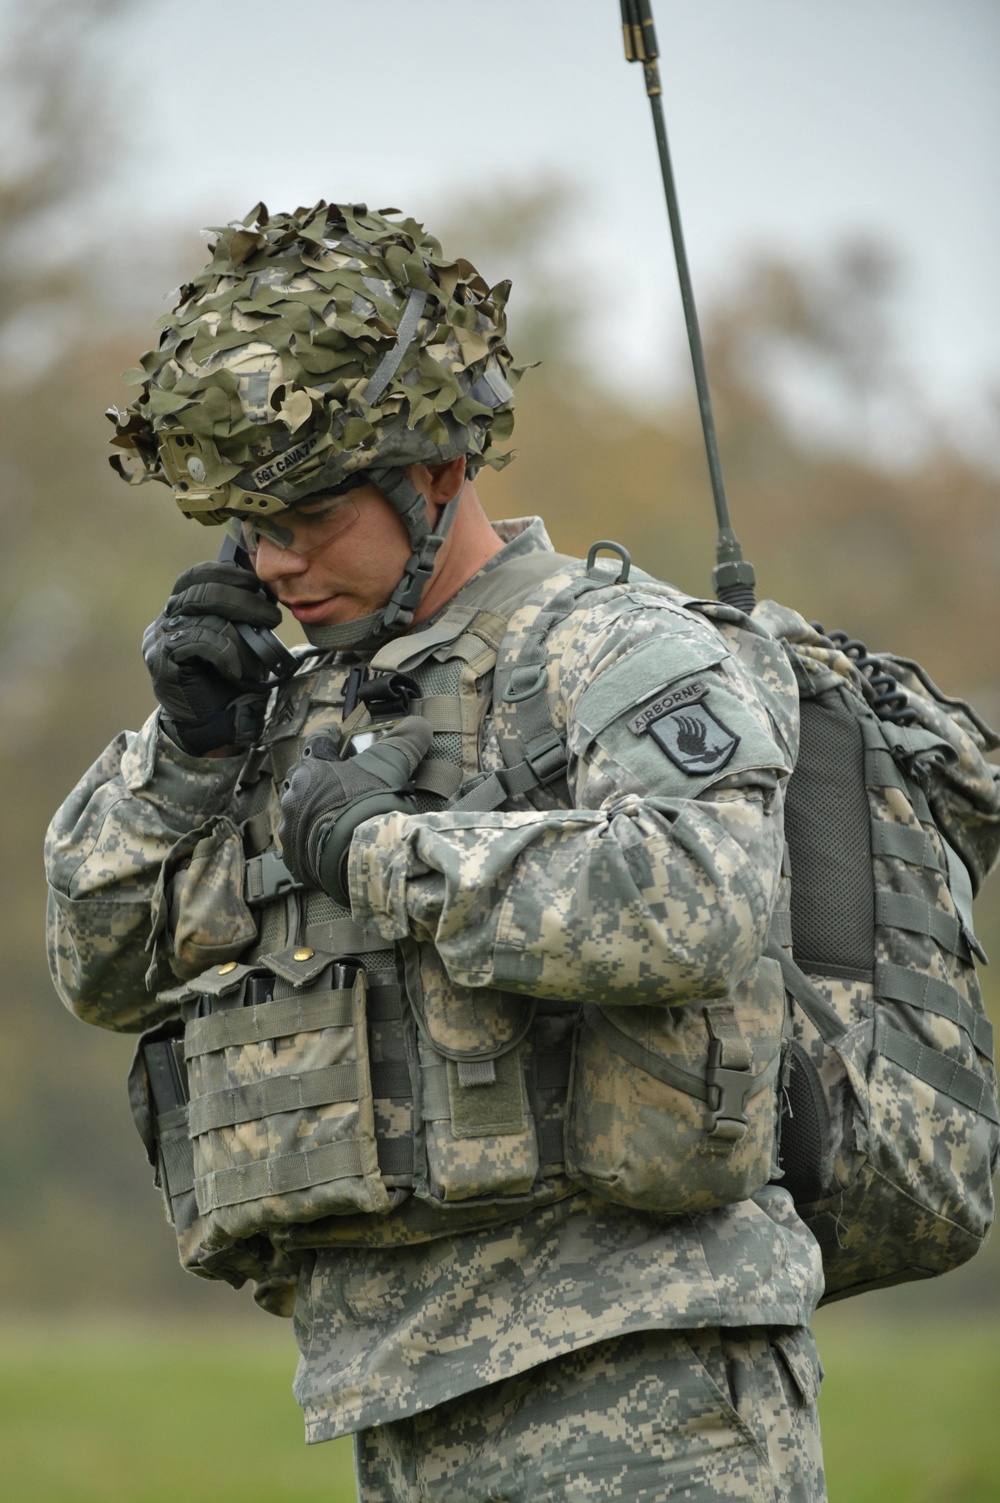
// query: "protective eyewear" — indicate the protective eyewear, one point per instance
point(301, 530)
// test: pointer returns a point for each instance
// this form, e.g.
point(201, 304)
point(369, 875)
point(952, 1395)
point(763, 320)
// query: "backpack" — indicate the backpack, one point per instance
point(889, 1127)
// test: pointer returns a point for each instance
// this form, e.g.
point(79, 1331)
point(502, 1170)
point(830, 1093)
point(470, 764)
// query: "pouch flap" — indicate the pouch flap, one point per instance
point(176, 996)
point(911, 742)
point(298, 964)
point(464, 1022)
point(417, 646)
point(220, 981)
point(496, 1107)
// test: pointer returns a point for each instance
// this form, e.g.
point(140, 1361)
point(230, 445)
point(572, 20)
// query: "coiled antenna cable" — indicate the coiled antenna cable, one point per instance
point(889, 701)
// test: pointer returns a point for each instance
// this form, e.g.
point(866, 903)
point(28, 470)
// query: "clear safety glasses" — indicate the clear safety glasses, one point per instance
point(300, 530)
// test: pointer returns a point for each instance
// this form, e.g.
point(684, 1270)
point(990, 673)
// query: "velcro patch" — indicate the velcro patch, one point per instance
point(693, 736)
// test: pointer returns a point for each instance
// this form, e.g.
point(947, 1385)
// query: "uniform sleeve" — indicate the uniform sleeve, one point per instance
point(658, 885)
point(103, 853)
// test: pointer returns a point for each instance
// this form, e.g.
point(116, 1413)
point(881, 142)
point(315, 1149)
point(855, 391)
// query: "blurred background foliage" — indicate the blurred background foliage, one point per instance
point(847, 491)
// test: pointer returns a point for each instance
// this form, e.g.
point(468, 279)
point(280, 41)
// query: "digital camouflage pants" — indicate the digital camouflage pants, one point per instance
point(657, 1415)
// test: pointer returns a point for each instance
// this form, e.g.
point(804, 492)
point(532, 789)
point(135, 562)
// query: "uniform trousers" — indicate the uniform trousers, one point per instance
point(644, 1418)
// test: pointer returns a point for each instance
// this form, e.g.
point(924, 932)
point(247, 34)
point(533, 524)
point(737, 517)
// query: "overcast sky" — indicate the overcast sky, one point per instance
point(792, 122)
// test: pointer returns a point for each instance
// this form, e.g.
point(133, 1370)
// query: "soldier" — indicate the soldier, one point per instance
point(459, 1042)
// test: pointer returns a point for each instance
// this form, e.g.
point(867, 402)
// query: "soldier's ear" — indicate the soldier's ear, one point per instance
point(444, 481)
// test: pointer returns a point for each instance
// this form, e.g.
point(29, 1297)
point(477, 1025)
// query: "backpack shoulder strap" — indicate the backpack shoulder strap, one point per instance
point(532, 741)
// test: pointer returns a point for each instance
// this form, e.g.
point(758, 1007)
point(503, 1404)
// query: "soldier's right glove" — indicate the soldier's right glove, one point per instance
point(209, 682)
point(325, 800)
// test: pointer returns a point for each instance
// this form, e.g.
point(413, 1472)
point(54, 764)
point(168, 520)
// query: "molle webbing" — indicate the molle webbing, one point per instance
point(306, 1169)
point(535, 753)
point(175, 1151)
point(894, 983)
point(265, 1098)
point(967, 1087)
point(270, 1020)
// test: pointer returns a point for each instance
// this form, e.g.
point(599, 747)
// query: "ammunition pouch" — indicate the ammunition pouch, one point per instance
point(281, 1117)
point(157, 1089)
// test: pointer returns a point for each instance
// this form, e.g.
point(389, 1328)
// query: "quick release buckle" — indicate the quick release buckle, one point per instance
point(728, 1089)
point(547, 759)
point(267, 877)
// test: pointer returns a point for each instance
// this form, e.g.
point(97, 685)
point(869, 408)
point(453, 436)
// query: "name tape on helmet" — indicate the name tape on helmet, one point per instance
point(283, 463)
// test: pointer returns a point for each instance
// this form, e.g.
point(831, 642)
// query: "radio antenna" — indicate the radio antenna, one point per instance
point(733, 578)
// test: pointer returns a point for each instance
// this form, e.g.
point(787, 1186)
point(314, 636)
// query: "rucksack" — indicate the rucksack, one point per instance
point(889, 1127)
point(892, 819)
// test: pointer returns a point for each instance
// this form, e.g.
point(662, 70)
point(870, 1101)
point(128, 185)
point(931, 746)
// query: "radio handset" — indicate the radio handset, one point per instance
point(270, 651)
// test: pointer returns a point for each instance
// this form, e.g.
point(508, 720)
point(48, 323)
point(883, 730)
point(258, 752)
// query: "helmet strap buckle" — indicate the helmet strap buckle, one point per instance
point(406, 596)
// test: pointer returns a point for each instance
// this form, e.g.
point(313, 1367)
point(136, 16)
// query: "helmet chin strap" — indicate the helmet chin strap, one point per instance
point(368, 633)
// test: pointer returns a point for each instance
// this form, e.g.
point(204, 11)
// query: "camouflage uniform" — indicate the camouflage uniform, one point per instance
point(648, 885)
point(658, 1415)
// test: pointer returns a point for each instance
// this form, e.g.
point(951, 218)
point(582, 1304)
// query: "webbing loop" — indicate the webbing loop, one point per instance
point(280, 1176)
point(936, 1070)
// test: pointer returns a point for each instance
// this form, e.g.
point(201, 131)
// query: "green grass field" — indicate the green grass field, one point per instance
point(143, 1416)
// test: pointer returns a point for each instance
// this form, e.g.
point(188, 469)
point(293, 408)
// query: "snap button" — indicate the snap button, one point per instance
point(304, 954)
point(230, 965)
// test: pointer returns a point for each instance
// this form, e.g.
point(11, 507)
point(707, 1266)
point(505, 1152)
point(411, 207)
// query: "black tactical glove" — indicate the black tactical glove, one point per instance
point(326, 799)
point(209, 682)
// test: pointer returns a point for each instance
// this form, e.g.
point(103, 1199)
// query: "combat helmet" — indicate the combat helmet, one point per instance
point(317, 349)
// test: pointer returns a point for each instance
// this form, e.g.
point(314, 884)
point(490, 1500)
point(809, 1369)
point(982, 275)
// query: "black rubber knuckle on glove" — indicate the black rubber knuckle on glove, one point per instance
point(226, 590)
point(326, 799)
point(205, 676)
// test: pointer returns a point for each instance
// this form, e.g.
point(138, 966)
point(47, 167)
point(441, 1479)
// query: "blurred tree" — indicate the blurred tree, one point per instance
point(69, 666)
point(816, 343)
point(510, 231)
point(53, 135)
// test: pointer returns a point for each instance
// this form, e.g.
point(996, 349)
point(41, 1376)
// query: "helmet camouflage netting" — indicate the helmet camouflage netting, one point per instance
point(313, 346)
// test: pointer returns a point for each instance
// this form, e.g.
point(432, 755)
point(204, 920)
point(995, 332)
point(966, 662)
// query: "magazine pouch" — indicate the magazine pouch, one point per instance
point(281, 1117)
point(157, 1090)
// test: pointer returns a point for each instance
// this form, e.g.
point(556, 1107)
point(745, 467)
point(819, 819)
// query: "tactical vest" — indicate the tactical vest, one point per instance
point(325, 1088)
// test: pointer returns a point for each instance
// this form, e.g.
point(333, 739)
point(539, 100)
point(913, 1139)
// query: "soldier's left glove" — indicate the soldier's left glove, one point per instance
point(325, 800)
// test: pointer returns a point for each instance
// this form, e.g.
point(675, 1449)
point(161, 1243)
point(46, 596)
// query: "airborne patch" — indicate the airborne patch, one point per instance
point(694, 737)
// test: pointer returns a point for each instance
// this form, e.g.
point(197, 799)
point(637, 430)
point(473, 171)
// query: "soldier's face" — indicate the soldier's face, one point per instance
point(347, 576)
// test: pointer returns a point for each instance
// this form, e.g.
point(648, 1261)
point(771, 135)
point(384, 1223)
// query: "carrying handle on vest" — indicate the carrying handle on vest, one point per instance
point(622, 553)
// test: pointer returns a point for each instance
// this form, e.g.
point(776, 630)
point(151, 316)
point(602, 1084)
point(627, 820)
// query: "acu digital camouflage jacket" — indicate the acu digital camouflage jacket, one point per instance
point(379, 1098)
